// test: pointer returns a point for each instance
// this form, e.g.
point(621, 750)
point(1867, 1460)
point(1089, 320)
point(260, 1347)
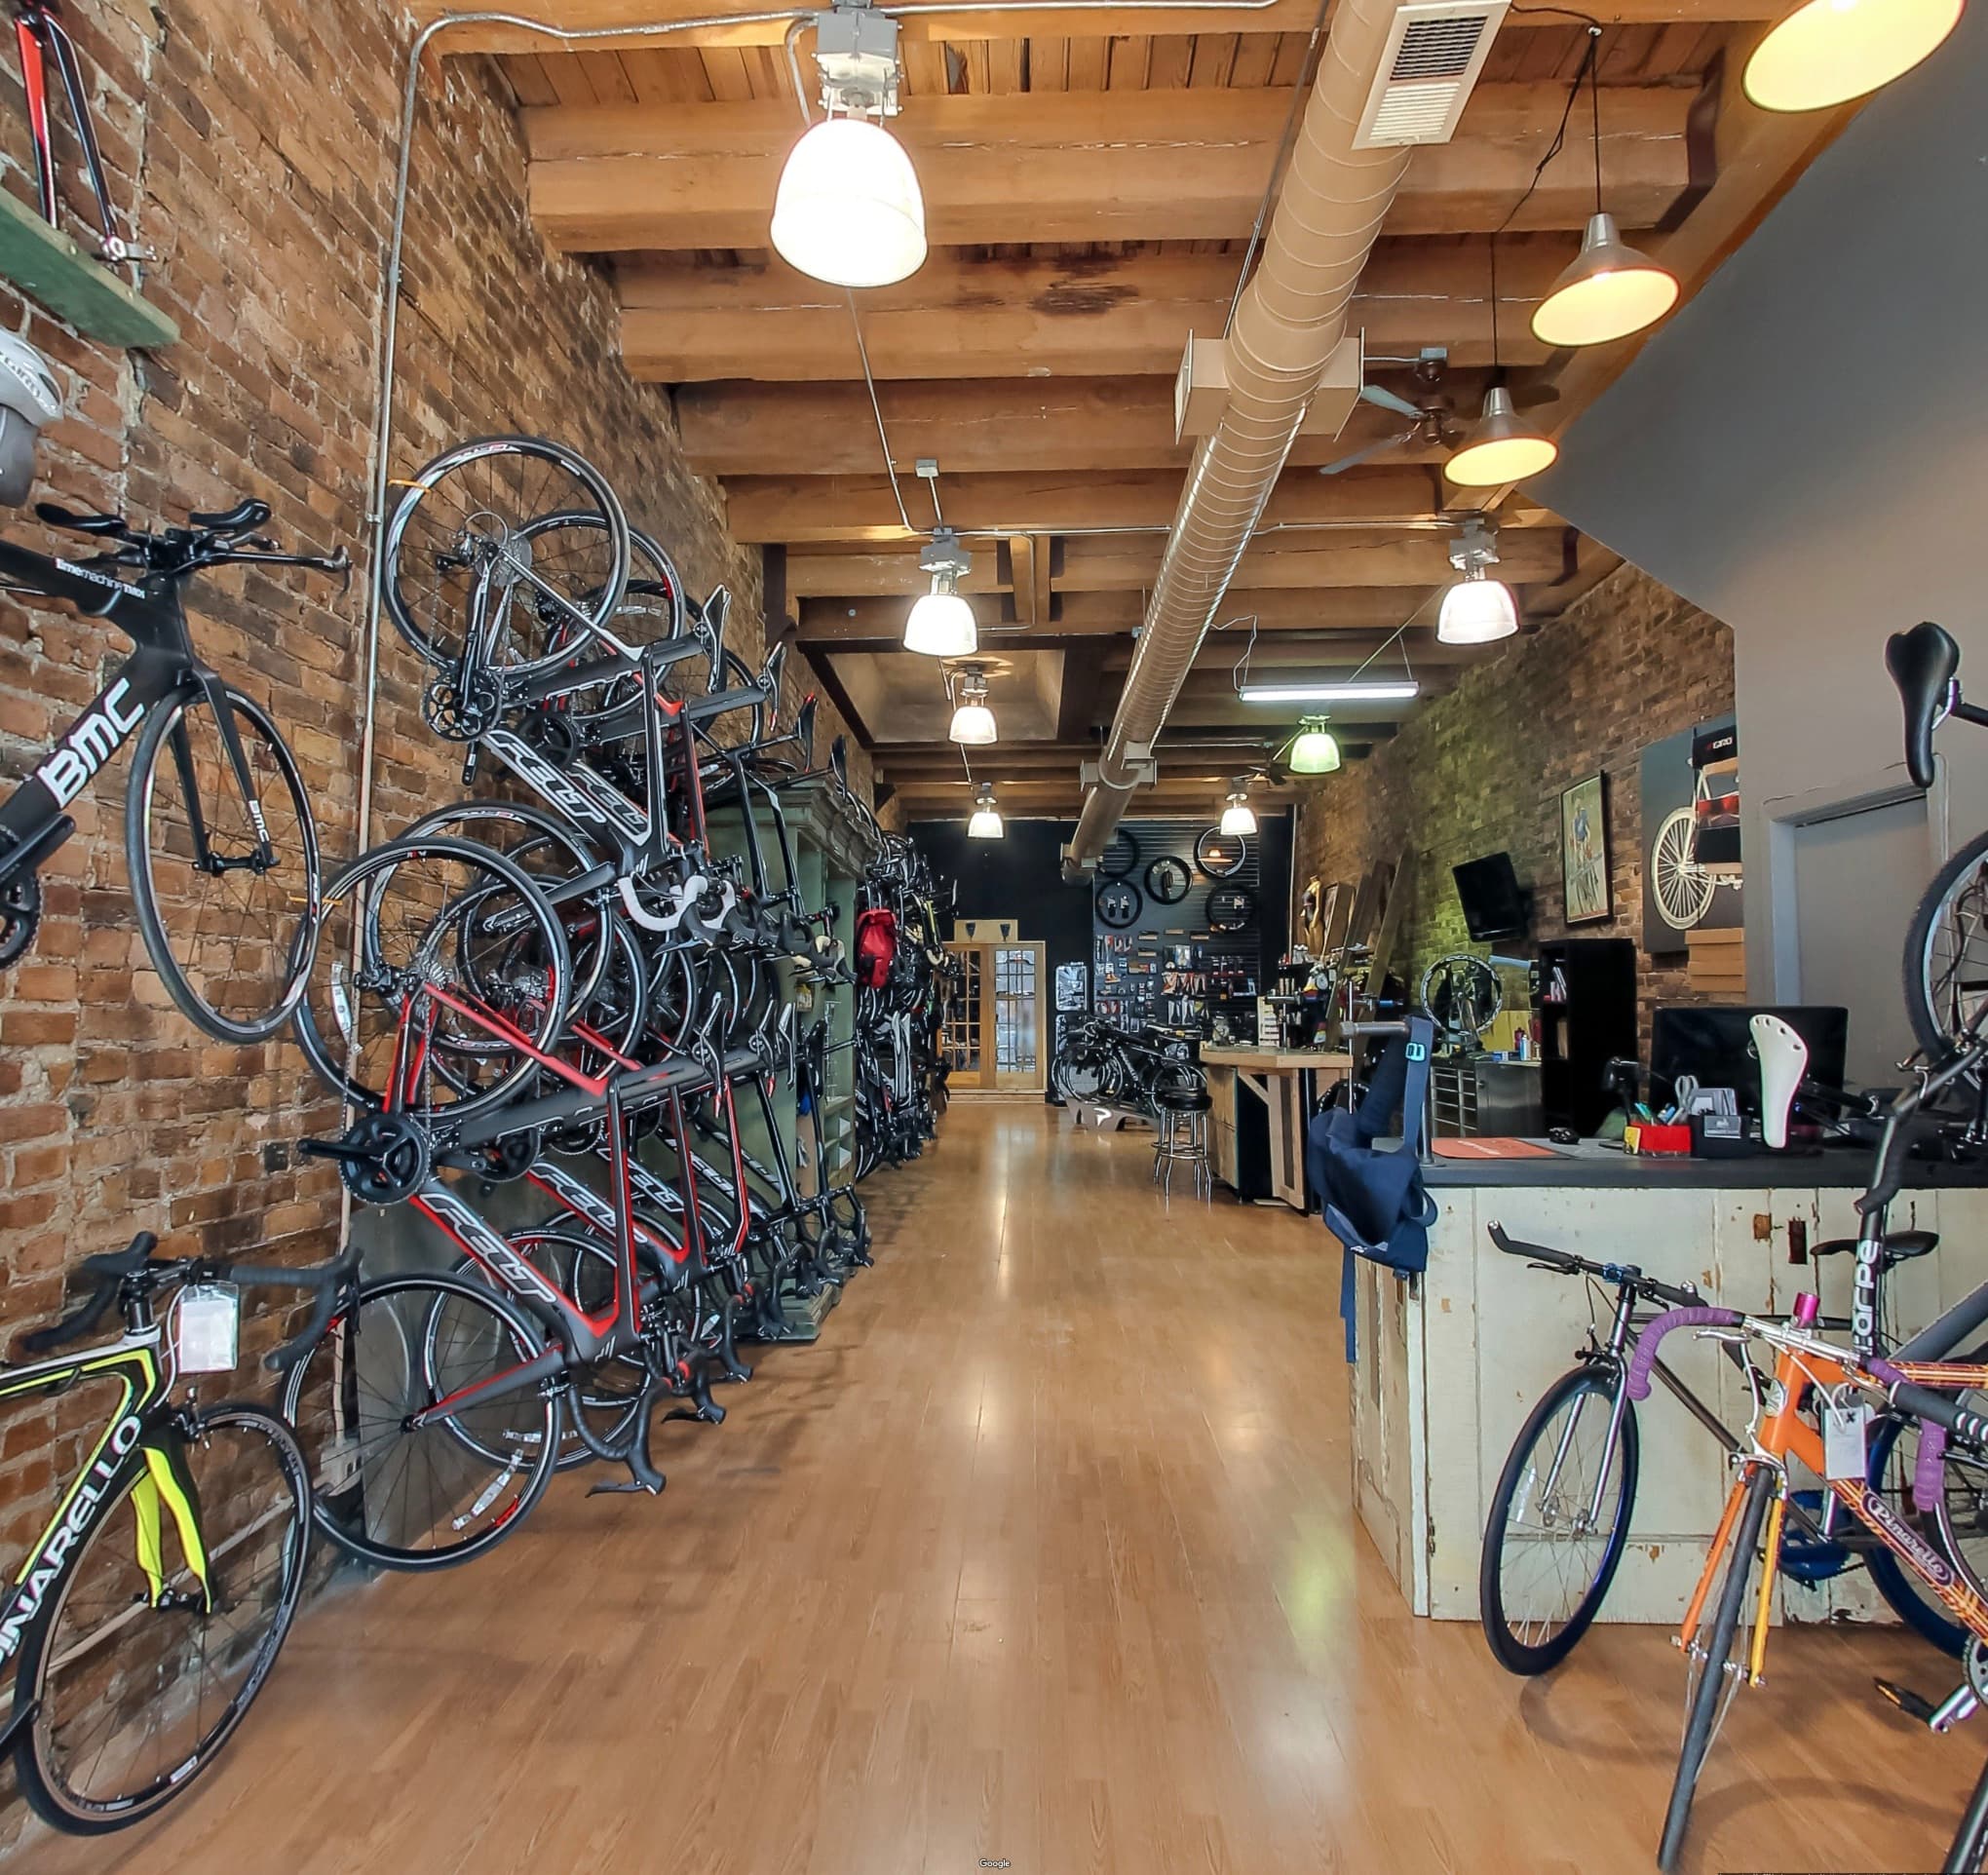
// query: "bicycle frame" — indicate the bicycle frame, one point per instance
point(39, 37)
point(162, 665)
point(1803, 1359)
point(138, 1431)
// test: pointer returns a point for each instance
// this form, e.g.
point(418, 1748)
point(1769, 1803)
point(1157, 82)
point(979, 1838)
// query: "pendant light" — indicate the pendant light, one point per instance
point(1609, 290)
point(1476, 609)
point(941, 622)
point(1238, 816)
point(986, 823)
point(1314, 750)
point(849, 208)
point(1830, 50)
point(972, 722)
point(1501, 447)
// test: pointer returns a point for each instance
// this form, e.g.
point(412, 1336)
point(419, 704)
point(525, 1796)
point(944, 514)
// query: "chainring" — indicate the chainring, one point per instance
point(395, 1161)
point(459, 715)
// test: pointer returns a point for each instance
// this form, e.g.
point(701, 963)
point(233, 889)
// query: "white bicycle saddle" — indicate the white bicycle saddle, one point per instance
point(1784, 1061)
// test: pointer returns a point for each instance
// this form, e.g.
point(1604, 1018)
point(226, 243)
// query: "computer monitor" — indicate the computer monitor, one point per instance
point(1715, 1045)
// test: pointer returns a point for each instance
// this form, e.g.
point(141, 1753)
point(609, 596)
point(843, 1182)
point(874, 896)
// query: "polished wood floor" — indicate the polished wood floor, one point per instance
point(1040, 1559)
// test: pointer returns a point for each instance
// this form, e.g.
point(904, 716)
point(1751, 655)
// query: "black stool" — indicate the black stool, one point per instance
point(1182, 1114)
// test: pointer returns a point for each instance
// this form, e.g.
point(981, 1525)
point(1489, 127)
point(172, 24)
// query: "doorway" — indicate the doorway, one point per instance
point(995, 1032)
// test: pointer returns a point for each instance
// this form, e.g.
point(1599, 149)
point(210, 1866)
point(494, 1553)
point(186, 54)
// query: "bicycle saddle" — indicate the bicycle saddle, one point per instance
point(1899, 1245)
point(57, 516)
point(238, 519)
point(1922, 662)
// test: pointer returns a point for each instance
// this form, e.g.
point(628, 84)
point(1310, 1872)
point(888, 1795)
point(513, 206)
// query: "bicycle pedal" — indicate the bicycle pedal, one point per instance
point(1909, 1703)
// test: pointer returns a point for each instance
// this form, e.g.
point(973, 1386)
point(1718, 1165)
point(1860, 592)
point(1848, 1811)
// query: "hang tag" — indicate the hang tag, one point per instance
point(209, 1328)
point(1842, 1443)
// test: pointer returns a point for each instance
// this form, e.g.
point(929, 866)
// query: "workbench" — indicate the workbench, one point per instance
point(1264, 1098)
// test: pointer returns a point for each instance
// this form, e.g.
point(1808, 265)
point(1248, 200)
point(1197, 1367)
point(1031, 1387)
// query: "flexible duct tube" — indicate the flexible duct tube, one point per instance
point(1287, 324)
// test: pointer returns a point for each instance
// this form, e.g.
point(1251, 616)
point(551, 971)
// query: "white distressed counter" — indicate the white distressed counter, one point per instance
point(1450, 1364)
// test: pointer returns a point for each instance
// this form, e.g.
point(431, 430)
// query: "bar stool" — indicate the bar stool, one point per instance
point(1182, 1117)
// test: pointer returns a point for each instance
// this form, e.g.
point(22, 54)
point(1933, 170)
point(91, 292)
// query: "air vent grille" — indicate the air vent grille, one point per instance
point(1434, 55)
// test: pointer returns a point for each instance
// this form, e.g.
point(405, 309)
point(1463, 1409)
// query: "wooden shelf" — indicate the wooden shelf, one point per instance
point(49, 267)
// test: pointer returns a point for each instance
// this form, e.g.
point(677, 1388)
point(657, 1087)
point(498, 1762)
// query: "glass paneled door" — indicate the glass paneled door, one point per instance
point(994, 1035)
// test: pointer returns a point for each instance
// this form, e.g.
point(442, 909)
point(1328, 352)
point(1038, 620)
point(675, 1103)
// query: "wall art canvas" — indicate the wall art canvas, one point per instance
point(1678, 896)
point(1584, 851)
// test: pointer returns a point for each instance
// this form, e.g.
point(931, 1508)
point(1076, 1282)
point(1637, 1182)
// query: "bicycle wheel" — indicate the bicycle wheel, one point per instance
point(434, 913)
point(1559, 1521)
point(461, 561)
point(1969, 1855)
point(1946, 950)
point(1684, 894)
point(1714, 1674)
point(139, 1680)
point(1958, 1530)
point(232, 938)
point(422, 1497)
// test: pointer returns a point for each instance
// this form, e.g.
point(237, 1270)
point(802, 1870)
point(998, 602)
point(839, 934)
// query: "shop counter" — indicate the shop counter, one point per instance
point(1263, 1100)
point(1450, 1363)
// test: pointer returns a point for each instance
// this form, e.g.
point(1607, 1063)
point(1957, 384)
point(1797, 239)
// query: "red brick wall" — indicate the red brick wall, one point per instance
point(256, 142)
point(1482, 768)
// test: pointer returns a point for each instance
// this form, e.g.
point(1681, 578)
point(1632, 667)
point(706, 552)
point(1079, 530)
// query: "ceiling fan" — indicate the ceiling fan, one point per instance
point(1430, 414)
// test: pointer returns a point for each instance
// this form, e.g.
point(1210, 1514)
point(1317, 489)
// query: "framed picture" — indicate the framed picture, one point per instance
point(1584, 851)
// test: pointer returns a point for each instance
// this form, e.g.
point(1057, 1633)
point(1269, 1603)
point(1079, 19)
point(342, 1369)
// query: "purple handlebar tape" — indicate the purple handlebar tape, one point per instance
point(1645, 1356)
point(1929, 1474)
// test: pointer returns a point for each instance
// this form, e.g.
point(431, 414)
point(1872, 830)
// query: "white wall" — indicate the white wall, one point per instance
point(1804, 453)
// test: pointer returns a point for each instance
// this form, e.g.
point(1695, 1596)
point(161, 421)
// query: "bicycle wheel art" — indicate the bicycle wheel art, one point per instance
point(1118, 905)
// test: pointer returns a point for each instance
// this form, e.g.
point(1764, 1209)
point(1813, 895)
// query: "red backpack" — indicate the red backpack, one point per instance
point(876, 945)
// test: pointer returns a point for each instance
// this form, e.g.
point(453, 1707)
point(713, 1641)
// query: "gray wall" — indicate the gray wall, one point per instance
point(1803, 451)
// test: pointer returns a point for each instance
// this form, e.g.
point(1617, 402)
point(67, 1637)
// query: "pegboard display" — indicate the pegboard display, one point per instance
point(1168, 963)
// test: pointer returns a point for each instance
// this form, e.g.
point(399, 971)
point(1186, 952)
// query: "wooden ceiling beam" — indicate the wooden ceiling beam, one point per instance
point(995, 426)
point(619, 23)
point(853, 623)
point(810, 510)
point(1061, 317)
point(1116, 563)
point(1080, 166)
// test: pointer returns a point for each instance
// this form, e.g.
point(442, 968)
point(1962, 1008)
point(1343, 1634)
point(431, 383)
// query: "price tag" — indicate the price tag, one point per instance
point(209, 1328)
point(1842, 1443)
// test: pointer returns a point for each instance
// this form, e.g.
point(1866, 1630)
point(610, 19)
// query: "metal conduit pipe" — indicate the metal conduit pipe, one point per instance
point(1289, 320)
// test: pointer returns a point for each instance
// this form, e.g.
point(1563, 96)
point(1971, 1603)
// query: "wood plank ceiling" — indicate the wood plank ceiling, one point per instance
point(1089, 195)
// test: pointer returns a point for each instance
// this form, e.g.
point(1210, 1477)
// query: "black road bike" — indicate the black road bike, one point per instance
point(219, 834)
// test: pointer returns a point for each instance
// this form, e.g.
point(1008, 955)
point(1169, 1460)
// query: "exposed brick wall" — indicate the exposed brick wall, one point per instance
point(1482, 769)
point(256, 142)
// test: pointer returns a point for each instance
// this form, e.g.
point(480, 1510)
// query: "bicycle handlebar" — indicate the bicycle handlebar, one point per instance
point(1647, 1343)
point(1571, 1265)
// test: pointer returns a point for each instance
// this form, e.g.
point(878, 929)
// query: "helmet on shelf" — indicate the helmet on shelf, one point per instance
point(29, 398)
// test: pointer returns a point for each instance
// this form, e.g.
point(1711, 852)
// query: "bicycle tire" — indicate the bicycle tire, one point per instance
point(43, 1781)
point(1969, 1855)
point(334, 1044)
point(1702, 1715)
point(595, 601)
point(1914, 1606)
point(1935, 1031)
point(325, 1389)
point(144, 845)
point(1512, 1651)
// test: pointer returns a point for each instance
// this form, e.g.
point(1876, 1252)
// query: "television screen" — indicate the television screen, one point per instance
point(1494, 906)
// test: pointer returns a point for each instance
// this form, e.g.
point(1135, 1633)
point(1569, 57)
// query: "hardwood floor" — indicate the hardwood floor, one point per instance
point(1040, 1559)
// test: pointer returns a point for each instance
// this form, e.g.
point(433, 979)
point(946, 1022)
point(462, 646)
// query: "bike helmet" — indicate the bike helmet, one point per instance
point(29, 398)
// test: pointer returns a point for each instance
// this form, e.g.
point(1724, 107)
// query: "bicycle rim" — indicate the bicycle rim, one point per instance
point(1946, 950)
point(1558, 1521)
point(422, 1497)
point(140, 1686)
point(230, 932)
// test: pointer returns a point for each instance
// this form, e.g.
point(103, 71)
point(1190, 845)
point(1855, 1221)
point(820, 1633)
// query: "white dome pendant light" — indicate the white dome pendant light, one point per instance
point(941, 622)
point(1476, 609)
point(849, 208)
point(1608, 290)
point(1239, 817)
point(972, 722)
point(986, 823)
